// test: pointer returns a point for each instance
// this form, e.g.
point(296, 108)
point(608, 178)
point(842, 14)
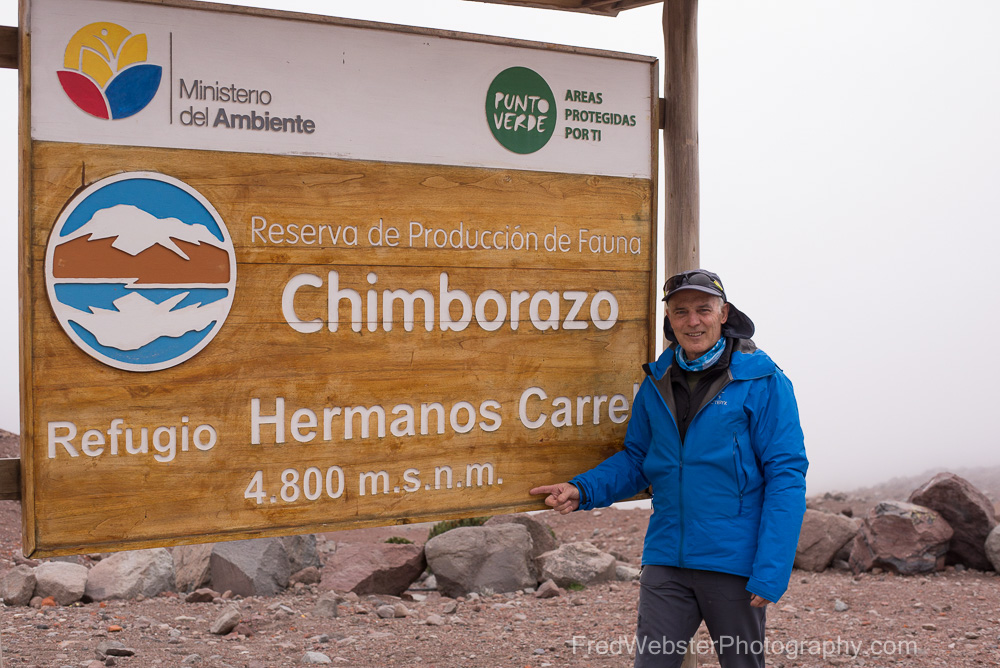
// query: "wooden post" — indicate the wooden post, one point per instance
point(680, 150)
point(680, 135)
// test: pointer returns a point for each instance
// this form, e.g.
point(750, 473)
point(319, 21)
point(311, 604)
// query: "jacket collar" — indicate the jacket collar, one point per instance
point(745, 363)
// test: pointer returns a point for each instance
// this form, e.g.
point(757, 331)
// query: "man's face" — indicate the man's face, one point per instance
point(697, 320)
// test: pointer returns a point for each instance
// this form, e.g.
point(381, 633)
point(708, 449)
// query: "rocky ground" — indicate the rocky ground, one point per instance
point(949, 619)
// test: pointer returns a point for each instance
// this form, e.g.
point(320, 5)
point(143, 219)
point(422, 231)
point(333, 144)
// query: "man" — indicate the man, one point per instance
point(715, 432)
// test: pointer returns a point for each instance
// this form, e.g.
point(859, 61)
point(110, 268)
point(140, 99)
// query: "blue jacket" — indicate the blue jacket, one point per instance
point(731, 496)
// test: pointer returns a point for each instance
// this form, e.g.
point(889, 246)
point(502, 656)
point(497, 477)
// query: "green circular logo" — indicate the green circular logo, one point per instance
point(521, 110)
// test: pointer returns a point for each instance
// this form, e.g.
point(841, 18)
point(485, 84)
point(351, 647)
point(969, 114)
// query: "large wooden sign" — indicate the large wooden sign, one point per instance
point(286, 273)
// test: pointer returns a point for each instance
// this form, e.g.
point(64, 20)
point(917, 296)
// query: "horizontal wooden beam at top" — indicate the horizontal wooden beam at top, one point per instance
point(10, 479)
point(8, 47)
point(600, 7)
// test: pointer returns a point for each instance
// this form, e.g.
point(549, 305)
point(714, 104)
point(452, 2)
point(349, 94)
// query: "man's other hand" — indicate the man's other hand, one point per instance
point(758, 601)
point(563, 497)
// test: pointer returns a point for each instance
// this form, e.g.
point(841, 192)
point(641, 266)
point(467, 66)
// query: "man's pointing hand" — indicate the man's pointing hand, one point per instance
point(563, 497)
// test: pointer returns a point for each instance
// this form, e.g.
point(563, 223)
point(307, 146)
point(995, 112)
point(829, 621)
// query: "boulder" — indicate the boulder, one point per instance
point(191, 566)
point(577, 563)
point(225, 622)
point(901, 537)
point(326, 606)
point(821, 537)
point(380, 568)
point(18, 585)
point(548, 589)
point(64, 582)
point(257, 567)
point(202, 595)
point(626, 572)
point(126, 575)
point(481, 559)
point(308, 575)
point(993, 548)
point(967, 510)
point(302, 552)
point(542, 538)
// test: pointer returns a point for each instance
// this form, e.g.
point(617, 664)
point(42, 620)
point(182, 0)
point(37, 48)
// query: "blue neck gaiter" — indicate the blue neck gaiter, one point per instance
point(703, 362)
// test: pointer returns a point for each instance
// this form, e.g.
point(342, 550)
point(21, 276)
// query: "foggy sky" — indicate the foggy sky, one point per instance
point(850, 190)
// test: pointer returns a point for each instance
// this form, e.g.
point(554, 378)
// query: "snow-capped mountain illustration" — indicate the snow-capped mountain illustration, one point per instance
point(139, 321)
point(140, 271)
point(135, 230)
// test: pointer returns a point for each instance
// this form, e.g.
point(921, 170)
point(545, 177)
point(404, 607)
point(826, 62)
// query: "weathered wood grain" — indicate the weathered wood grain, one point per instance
point(114, 501)
point(10, 479)
point(680, 136)
point(26, 276)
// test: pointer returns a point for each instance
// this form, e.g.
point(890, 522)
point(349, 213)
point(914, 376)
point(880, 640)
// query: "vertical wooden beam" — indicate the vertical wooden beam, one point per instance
point(680, 135)
point(24, 277)
point(8, 47)
point(680, 151)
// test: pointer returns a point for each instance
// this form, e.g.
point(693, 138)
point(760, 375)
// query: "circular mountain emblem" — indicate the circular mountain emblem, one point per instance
point(140, 271)
point(521, 110)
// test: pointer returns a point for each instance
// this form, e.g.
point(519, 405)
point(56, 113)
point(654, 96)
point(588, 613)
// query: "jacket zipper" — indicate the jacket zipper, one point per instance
point(680, 483)
point(740, 487)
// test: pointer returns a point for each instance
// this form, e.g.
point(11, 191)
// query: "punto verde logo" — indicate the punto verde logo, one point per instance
point(521, 110)
point(105, 71)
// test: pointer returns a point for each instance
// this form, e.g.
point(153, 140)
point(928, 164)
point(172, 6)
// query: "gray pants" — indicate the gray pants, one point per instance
point(674, 601)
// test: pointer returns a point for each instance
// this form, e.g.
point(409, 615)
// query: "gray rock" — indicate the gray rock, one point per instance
point(548, 589)
point(127, 575)
point(310, 658)
point(901, 537)
point(385, 611)
point(435, 620)
point(967, 511)
point(382, 568)
point(226, 622)
point(625, 572)
point(257, 567)
point(577, 563)
point(477, 559)
point(840, 606)
point(18, 585)
point(112, 648)
point(326, 606)
point(202, 595)
point(542, 538)
point(191, 566)
point(821, 537)
point(302, 552)
point(308, 575)
point(62, 581)
point(993, 548)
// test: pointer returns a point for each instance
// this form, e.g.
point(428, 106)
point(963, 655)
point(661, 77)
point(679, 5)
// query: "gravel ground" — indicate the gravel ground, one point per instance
point(826, 619)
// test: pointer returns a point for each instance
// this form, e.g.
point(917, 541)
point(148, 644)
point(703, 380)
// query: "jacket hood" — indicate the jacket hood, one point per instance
point(737, 326)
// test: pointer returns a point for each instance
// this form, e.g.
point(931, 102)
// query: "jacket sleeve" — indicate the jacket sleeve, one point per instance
point(620, 476)
point(779, 445)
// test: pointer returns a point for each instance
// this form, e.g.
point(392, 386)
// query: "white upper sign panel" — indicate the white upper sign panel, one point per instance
point(135, 74)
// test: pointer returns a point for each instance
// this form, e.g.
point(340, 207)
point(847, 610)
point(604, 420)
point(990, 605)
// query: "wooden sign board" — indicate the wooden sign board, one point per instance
point(287, 273)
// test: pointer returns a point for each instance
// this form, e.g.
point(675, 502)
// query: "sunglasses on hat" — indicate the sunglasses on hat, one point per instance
point(698, 279)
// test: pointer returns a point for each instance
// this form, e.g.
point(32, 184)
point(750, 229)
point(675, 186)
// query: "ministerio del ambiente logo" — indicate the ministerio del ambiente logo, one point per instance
point(105, 72)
